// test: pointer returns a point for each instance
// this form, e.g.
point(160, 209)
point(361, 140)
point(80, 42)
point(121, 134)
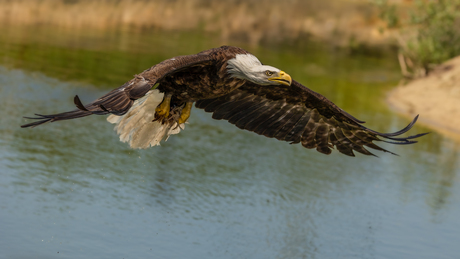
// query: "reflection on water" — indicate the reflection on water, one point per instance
point(72, 190)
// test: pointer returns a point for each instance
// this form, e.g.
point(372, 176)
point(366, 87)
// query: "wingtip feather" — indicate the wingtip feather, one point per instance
point(79, 104)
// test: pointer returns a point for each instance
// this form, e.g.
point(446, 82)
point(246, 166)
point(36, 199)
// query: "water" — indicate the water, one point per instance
point(72, 190)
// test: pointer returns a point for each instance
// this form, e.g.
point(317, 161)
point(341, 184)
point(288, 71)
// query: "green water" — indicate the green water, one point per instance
point(72, 190)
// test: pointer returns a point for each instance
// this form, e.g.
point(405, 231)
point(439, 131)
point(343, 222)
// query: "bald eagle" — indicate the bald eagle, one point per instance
point(235, 86)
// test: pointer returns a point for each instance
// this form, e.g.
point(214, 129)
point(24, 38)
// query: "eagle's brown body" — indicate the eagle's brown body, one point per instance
point(204, 80)
point(271, 106)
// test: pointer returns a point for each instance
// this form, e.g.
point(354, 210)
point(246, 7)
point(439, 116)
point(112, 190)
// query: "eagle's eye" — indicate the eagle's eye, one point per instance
point(268, 73)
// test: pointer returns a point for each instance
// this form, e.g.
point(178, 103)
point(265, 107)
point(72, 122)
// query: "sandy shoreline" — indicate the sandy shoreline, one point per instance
point(436, 98)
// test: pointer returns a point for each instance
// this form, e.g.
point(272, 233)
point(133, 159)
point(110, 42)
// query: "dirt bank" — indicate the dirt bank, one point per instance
point(436, 98)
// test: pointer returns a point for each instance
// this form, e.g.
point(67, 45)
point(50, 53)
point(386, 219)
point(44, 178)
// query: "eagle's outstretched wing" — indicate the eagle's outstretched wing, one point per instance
point(299, 115)
point(120, 100)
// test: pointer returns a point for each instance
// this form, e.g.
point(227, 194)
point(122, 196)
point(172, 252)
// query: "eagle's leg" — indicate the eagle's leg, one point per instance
point(185, 114)
point(162, 110)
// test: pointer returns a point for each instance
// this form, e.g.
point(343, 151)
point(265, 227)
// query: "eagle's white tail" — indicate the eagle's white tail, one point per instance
point(137, 126)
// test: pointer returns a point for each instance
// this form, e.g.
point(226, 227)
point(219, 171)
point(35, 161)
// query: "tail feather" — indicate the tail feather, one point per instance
point(139, 128)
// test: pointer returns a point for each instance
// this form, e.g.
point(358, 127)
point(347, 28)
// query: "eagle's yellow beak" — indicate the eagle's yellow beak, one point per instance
point(282, 78)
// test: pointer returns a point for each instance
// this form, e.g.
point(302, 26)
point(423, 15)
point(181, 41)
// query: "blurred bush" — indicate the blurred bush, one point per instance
point(428, 34)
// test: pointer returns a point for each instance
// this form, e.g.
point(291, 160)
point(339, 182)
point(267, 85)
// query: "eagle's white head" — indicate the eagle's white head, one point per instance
point(248, 67)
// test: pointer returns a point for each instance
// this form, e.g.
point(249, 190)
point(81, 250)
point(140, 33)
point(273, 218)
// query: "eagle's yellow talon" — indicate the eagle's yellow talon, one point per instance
point(185, 114)
point(163, 109)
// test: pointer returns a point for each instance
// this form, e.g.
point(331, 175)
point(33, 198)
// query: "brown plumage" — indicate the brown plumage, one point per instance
point(235, 86)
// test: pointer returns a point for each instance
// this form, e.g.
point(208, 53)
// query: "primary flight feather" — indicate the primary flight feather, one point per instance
point(235, 86)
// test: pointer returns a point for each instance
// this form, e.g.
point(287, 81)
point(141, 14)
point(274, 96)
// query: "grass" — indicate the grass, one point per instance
point(254, 21)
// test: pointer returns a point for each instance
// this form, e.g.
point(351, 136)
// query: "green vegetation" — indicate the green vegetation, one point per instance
point(428, 36)
point(103, 59)
point(109, 60)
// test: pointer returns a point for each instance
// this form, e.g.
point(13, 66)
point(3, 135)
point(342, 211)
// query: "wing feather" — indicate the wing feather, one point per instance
point(269, 112)
point(279, 124)
point(253, 111)
point(212, 106)
point(224, 110)
point(270, 126)
point(245, 109)
point(298, 115)
point(120, 100)
point(357, 143)
point(322, 138)
point(234, 110)
point(308, 138)
point(344, 145)
point(296, 133)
